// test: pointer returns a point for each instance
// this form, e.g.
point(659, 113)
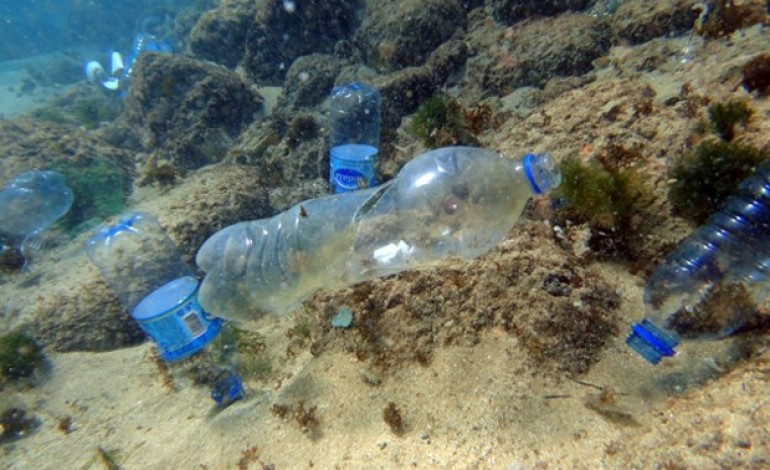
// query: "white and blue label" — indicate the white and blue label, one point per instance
point(352, 167)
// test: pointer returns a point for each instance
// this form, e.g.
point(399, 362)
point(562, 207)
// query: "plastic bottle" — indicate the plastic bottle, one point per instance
point(143, 42)
point(142, 266)
point(449, 203)
point(30, 204)
point(703, 290)
point(355, 137)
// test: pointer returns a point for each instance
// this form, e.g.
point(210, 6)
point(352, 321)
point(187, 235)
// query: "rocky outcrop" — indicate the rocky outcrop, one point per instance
point(405, 33)
point(531, 53)
point(513, 11)
point(638, 21)
point(188, 111)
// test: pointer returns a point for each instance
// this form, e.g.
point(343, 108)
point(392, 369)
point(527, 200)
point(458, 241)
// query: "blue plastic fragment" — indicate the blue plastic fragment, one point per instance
point(228, 389)
point(343, 319)
point(651, 342)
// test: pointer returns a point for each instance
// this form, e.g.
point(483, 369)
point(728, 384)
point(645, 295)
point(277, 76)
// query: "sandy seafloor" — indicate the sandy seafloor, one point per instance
point(484, 406)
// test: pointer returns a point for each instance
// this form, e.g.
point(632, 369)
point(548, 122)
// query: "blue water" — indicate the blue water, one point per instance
point(36, 27)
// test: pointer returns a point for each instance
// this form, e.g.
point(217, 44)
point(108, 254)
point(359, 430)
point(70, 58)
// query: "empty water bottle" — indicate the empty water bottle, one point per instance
point(709, 287)
point(449, 203)
point(142, 266)
point(355, 137)
point(30, 204)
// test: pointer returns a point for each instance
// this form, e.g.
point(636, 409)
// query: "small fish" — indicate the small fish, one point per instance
point(302, 211)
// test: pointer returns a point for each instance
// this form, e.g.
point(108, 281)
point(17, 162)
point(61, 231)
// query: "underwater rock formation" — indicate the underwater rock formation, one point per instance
point(405, 33)
point(266, 37)
point(220, 34)
point(189, 111)
point(309, 80)
point(512, 11)
point(530, 54)
point(639, 21)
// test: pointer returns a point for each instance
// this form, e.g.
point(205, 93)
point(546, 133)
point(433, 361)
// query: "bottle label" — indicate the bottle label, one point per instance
point(181, 331)
point(352, 167)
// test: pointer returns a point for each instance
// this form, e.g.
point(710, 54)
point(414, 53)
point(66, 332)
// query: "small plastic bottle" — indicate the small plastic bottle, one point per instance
point(355, 137)
point(31, 203)
point(705, 288)
point(447, 204)
point(142, 266)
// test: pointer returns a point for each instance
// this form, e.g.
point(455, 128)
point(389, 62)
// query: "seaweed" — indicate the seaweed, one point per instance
point(20, 355)
point(97, 185)
point(610, 198)
point(441, 121)
point(706, 177)
point(724, 117)
point(92, 112)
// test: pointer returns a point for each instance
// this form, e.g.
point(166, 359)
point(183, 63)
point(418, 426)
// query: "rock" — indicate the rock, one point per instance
point(512, 11)
point(404, 33)
point(278, 36)
point(309, 80)
point(532, 53)
point(187, 110)
point(639, 21)
point(522, 101)
point(220, 34)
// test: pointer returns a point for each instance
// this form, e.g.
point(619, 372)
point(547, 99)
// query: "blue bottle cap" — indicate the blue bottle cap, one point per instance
point(542, 173)
point(651, 342)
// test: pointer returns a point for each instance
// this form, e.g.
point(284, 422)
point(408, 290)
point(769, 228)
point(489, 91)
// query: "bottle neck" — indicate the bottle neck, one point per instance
point(541, 172)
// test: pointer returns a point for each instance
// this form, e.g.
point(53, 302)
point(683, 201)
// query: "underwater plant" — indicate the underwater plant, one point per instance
point(610, 198)
point(602, 195)
point(706, 177)
point(91, 112)
point(440, 121)
point(98, 188)
point(20, 355)
point(723, 117)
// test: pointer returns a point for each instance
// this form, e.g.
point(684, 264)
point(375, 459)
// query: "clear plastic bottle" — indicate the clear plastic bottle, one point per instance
point(446, 204)
point(142, 266)
point(31, 203)
point(705, 288)
point(355, 137)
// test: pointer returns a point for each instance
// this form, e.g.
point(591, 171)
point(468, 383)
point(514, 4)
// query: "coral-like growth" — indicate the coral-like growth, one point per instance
point(756, 74)
point(705, 178)
point(20, 355)
point(441, 121)
point(724, 117)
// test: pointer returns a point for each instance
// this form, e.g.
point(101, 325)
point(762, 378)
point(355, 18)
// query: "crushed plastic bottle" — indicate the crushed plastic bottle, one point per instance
point(705, 288)
point(142, 266)
point(29, 205)
point(446, 204)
